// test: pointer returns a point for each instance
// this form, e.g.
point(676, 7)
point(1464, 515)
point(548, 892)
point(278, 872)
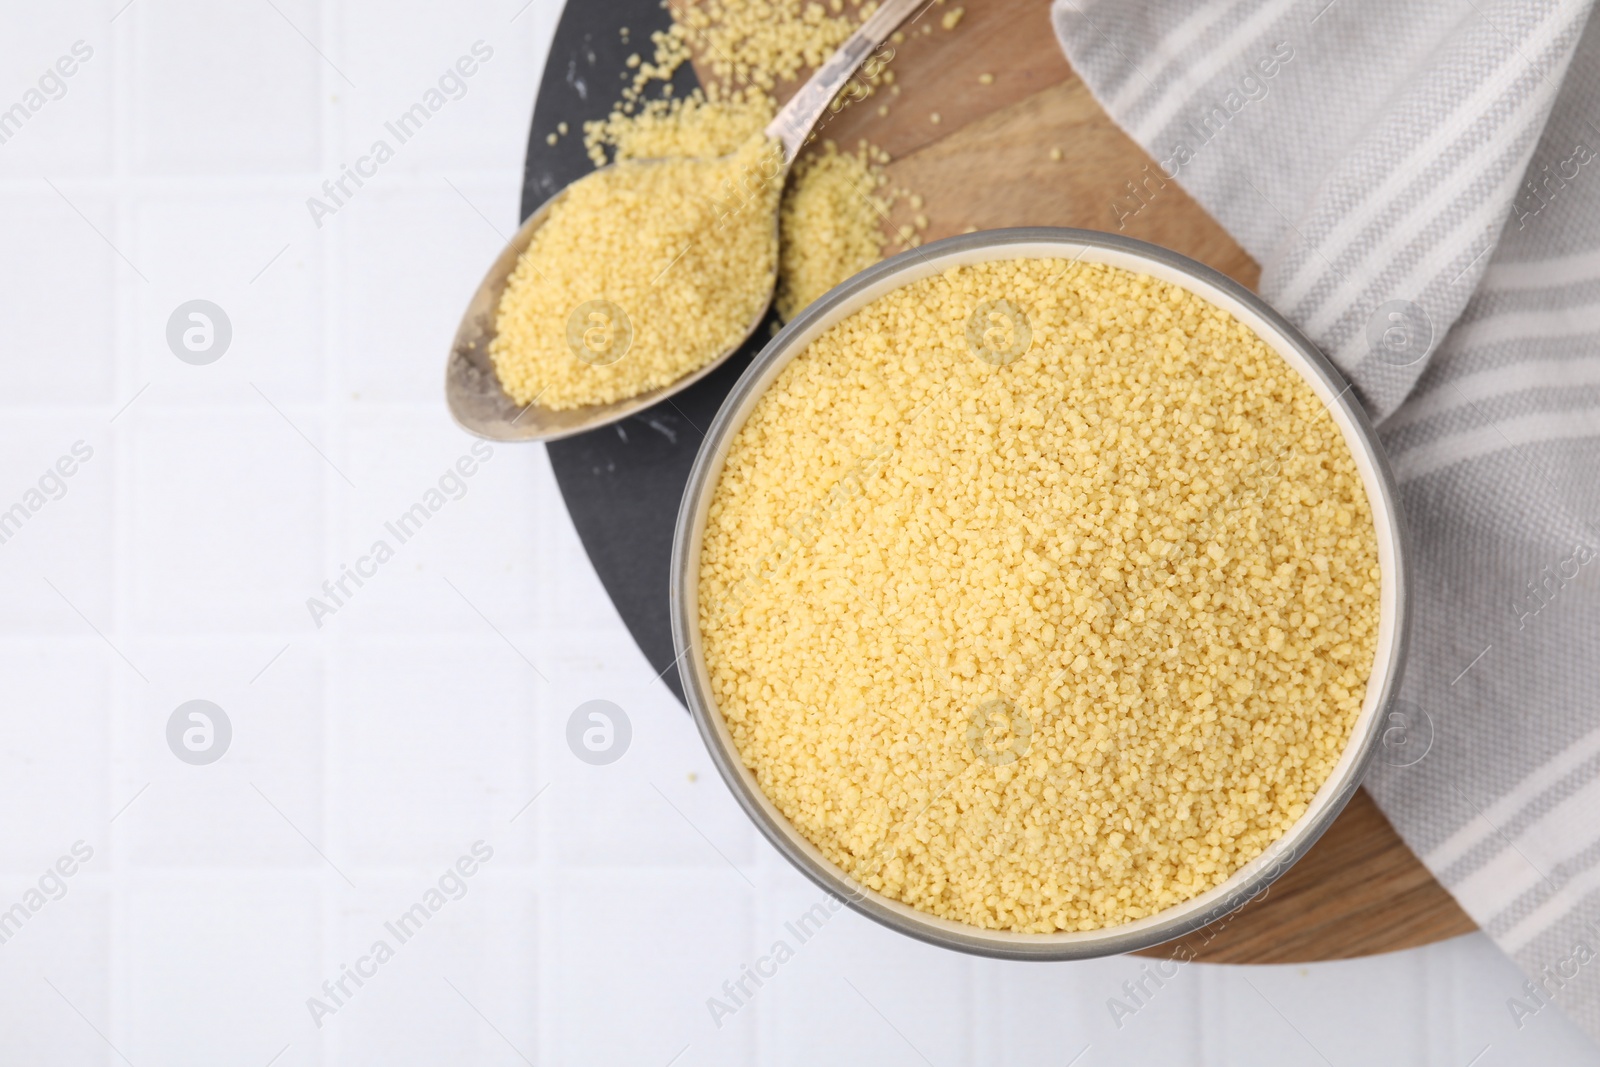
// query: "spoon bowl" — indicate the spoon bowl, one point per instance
point(473, 392)
point(472, 388)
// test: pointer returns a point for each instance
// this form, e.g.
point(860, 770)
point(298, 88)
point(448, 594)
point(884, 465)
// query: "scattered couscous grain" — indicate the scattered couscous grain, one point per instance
point(677, 128)
point(935, 118)
point(952, 17)
point(1056, 154)
point(640, 275)
point(986, 79)
point(1039, 595)
point(828, 225)
point(763, 42)
point(834, 205)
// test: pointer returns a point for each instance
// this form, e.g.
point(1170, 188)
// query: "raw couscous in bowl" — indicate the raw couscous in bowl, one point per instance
point(1038, 593)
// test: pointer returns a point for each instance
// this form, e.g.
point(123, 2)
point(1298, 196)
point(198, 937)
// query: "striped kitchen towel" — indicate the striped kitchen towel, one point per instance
point(1420, 183)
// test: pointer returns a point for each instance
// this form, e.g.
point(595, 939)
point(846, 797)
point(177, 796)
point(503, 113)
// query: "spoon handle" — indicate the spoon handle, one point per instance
point(794, 122)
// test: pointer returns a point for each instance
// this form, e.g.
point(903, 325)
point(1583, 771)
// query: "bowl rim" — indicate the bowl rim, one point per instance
point(1244, 885)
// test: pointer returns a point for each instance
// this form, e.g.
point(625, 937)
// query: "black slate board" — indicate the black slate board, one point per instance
point(621, 483)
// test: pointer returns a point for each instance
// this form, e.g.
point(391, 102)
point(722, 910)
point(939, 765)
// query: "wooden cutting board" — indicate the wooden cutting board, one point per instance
point(987, 162)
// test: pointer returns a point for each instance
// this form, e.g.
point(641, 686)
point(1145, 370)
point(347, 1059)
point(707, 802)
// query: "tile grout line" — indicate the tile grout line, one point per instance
point(334, 518)
point(1213, 993)
point(126, 709)
point(291, 184)
point(976, 978)
point(546, 867)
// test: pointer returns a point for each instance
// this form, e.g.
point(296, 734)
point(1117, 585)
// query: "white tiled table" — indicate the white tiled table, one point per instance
point(372, 752)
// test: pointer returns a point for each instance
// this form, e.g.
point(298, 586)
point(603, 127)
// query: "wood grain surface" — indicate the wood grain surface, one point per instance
point(987, 163)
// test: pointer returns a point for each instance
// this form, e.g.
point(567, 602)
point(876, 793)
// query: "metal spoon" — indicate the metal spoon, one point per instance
point(473, 390)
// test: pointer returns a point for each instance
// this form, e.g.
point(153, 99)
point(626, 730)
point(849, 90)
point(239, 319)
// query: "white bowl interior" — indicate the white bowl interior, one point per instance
point(1208, 906)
